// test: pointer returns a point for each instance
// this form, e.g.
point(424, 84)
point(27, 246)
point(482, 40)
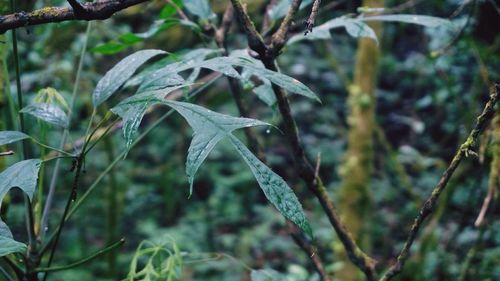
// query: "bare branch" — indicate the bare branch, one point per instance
point(255, 40)
point(98, 10)
point(314, 183)
point(430, 204)
point(279, 37)
point(312, 17)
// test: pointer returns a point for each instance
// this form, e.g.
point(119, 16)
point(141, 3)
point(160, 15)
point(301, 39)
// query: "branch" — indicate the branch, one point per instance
point(430, 204)
point(99, 10)
point(314, 183)
point(312, 17)
point(255, 40)
point(279, 37)
point(310, 250)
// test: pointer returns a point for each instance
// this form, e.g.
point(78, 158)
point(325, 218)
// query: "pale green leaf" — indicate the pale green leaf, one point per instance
point(275, 188)
point(132, 110)
point(209, 128)
point(120, 73)
point(284, 81)
point(265, 93)
point(427, 21)
point(7, 137)
point(161, 78)
point(23, 175)
point(7, 244)
point(357, 28)
point(266, 275)
point(199, 8)
point(281, 8)
point(47, 112)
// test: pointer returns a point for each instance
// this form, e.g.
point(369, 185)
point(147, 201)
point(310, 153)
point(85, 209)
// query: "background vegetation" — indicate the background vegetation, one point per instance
point(392, 116)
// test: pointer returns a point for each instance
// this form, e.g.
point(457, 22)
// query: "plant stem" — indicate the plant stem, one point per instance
point(85, 260)
point(32, 258)
point(55, 173)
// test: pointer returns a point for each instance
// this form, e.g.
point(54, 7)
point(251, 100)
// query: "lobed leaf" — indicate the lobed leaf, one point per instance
point(209, 128)
point(23, 174)
point(120, 73)
point(132, 110)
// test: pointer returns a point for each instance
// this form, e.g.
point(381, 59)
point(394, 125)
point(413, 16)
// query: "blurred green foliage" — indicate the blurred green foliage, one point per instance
point(432, 85)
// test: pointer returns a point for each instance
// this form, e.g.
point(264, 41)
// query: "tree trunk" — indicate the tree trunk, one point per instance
point(355, 197)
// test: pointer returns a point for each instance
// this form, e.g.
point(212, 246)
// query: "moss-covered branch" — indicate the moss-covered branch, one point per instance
point(431, 202)
point(98, 10)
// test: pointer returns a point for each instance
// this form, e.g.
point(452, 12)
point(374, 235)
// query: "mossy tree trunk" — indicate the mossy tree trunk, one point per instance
point(355, 200)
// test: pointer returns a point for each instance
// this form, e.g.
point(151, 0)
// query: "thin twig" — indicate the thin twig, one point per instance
point(83, 261)
point(280, 36)
point(430, 205)
point(255, 40)
point(309, 249)
point(55, 173)
point(312, 17)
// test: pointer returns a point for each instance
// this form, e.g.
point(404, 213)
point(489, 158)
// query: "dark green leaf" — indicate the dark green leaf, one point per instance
point(275, 188)
point(23, 174)
point(109, 48)
point(47, 112)
point(120, 73)
point(209, 128)
point(7, 244)
point(7, 137)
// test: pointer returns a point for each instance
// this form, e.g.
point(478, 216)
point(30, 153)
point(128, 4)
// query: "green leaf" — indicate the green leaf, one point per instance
point(7, 244)
point(7, 137)
point(47, 112)
point(109, 48)
point(266, 275)
point(200, 8)
point(275, 188)
point(162, 77)
point(132, 110)
point(427, 21)
point(357, 28)
point(120, 73)
point(286, 82)
point(169, 9)
point(281, 8)
point(130, 38)
point(23, 174)
point(265, 93)
point(209, 128)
